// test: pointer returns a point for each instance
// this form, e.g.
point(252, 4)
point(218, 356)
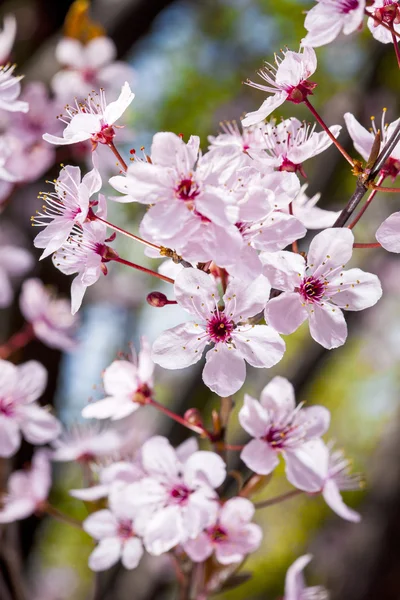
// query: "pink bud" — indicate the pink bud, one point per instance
point(157, 299)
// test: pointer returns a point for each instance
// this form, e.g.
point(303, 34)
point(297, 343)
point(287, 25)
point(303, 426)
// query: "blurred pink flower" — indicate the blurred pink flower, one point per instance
point(14, 262)
point(20, 387)
point(279, 427)
point(231, 537)
point(328, 18)
point(388, 234)
point(123, 471)
point(306, 211)
point(87, 443)
point(50, 317)
point(127, 385)
point(27, 490)
point(295, 587)
point(10, 89)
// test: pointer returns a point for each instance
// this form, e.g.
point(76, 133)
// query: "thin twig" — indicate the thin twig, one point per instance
point(278, 499)
point(128, 263)
point(118, 156)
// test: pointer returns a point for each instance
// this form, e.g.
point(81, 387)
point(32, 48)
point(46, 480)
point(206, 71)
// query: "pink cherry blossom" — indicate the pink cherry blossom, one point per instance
point(295, 587)
point(188, 211)
point(14, 262)
point(363, 140)
point(243, 144)
point(317, 289)
point(306, 211)
point(27, 490)
point(127, 384)
point(233, 339)
point(121, 472)
point(10, 89)
point(93, 119)
point(291, 142)
point(88, 66)
point(231, 537)
point(49, 316)
point(384, 11)
point(388, 234)
point(19, 413)
point(176, 499)
point(328, 18)
point(116, 533)
point(68, 205)
point(279, 427)
point(85, 253)
point(288, 80)
point(7, 37)
point(87, 443)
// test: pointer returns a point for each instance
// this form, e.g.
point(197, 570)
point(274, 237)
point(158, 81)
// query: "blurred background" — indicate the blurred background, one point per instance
point(188, 59)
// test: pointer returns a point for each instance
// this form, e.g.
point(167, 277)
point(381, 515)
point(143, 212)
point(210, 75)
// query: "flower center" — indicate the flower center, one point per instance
point(347, 6)
point(180, 494)
point(389, 13)
point(219, 328)
point(125, 530)
point(217, 534)
point(187, 190)
point(6, 407)
point(277, 436)
point(290, 167)
point(299, 93)
point(312, 289)
point(104, 136)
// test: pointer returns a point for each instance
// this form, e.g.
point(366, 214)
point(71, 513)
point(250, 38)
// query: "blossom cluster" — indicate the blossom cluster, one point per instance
point(228, 222)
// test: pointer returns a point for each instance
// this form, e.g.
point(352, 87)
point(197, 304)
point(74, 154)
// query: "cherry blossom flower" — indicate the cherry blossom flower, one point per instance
point(116, 533)
point(67, 205)
point(234, 340)
point(317, 289)
point(177, 498)
point(121, 472)
point(87, 443)
point(295, 587)
point(50, 317)
point(19, 413)
point(231, 537)
point(93, 119)
point(88, 66)
point(14, 262)
point(127, 384)
point(287, 81)
point(279, 427)
point(10, 89)
point(291, 142)
point(388, 234)
point(7, 37)
point(384, 11)
point(27, 490)
point(306, 211)
point(85, 253)
point(244, 143)
point(363, 140)
point(188, 211)
point(328, 18)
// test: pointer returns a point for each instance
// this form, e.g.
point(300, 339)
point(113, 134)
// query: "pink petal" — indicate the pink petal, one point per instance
point(101, 524)
point(253, 417)
point(328, 326)
point(278, 399)
point(329, 250)
point(203, 466)
point(38, 425)
point(266, 108)
point(259, 457)
point(279, 231)
point(388, 234)
point(32, 381)
point(164, 531)
point(333, 499)
point(10, 437)
point(110, 407)
point(159, 458)
point(180, 346)
point(106, 554)
point(199, 549)
point(225, 371)
point(307, 465)
point(362, 138)
point(286, 312)
point(260, 345)
point(316, 419)
point(116, 109)
point(196, 292)
point(294, 582)
point(356, 290)
point(121, 378)
point(132, 552)
point(186, 449)
point(235, 512)
point(243, 300)
point(100, 51)
point(145, 364)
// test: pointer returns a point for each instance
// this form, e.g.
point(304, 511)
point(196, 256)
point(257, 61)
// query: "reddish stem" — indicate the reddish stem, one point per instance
point(295, 246)
point(177, 418)
point(17, 341)
point(328, 132)
point(233, 447)
point(60, 516)
point(378, 188)
point(368, 202)
point(396, 49)
point(278, 499)
point(127, 233)
point(371, 245)
point(122, 261)
point(118, 156)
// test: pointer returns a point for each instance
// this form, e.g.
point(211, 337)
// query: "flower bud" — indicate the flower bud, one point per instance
point(193, 416)
point(157, 299)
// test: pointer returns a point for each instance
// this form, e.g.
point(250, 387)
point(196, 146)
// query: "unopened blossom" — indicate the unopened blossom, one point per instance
point(280, 428)
point(234, 340)
point(85, 253)
point(288, 80)
point(49, 316)
point(66, 206)
point(230, 538)
point(117, 472)
point(14, 262)
point(176, 499)
point(312, 216)
point(93, 119)
point(188, 209)
point(20, 387)
point(387, 12)
point(318, 288)
point(10, 89)
point(295, 586)
point(7, 37)
point(27, 490)
point(116, 533)
point(363, 140)
point(88, 66)
point(388, 234)
point(290, 143)
point(328, 18)
point(128, 384)
point(87, 443)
